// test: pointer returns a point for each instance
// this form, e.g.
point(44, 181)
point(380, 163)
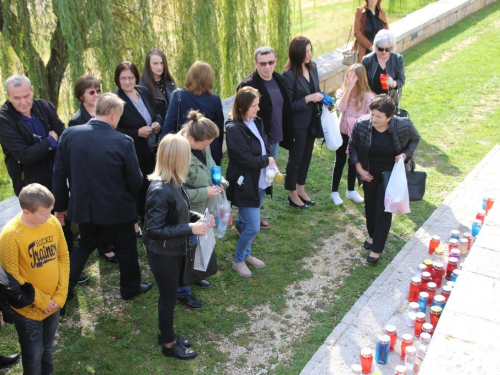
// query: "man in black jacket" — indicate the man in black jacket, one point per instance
point(99, 166)
point(275, 109)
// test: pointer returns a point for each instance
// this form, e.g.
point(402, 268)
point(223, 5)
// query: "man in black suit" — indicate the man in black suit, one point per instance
point(99, 166)
point(275, 109)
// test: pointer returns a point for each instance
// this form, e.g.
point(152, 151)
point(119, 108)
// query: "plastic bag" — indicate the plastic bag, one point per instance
point(331, 129)
point(397, 199)
point(205, 247)
point(221, 210)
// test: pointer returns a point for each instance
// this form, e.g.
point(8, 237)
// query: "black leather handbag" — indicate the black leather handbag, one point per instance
point(416, 183)
point(189, 275)
point(316, 126)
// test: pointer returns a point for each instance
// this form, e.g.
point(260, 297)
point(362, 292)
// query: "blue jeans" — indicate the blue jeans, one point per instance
point(37, 341)
point(274, 150)
point(249, 222)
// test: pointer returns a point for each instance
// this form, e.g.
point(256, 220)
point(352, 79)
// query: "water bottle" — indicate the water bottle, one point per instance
point(216, 175)
point(223, 223)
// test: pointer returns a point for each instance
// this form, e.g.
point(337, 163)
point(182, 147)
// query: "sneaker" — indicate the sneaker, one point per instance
point(257, 263)
point(242, 269)
point(337, 201)
point(354, 196)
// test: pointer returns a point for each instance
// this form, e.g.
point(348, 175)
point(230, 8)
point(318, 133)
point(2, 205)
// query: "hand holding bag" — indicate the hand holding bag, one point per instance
point(396, 198)
point(331, 130)
point(416, 183)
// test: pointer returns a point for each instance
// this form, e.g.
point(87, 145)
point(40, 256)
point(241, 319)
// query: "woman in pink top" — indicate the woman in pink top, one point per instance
point(353, 99)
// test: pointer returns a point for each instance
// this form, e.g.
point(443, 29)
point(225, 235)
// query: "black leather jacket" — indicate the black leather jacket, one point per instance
point(166, 224)
point(405, 138)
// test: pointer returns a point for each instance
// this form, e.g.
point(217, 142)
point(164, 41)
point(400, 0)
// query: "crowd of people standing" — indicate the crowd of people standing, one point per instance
point(143, 155)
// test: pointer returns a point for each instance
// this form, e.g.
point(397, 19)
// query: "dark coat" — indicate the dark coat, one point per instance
point(28, 162)
point(209, 104)
point(266, 106)
point(81, 116)
point(166, 224)
point(405, 138)
point(245, 159)
point(131, 121)
point(297, 89)
point(101, 168)
point(161, 102)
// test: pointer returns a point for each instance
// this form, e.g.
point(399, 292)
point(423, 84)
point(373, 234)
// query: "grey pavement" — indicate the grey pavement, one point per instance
point(466, 339)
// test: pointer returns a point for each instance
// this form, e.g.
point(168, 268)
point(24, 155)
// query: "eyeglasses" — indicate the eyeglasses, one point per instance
point(93, 92)
point(384, 49)
point(264, 63)
point(124, 79)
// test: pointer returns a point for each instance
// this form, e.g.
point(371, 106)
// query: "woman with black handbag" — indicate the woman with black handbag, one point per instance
point(376, 144)
point(167, 225)
point(302, 87)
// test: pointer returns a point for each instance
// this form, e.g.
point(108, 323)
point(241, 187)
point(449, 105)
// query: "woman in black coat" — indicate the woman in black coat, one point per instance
point(167, 226)
point(139, 121)
point(376, 144)
point(157, 78)
point(249, 153)
point(302, 87)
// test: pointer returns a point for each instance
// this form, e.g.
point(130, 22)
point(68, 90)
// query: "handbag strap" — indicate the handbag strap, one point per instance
point(179, 109)
point(349, 37)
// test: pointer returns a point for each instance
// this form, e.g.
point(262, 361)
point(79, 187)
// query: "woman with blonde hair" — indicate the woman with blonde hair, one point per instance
point(197, 94)
point(353, 99)
point(167, 225)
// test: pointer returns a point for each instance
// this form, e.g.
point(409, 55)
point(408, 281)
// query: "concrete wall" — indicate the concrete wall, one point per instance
point(409, 31)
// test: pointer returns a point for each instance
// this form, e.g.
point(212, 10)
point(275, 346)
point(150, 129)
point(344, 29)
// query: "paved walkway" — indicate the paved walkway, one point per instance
point(466, 339)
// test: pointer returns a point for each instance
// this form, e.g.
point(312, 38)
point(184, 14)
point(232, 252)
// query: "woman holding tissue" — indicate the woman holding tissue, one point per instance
point(377, 142)
point(167, 225)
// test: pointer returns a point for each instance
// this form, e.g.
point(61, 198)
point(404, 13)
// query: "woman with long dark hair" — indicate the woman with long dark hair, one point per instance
point(368, 21)
point(157, 78)
point(302, 87)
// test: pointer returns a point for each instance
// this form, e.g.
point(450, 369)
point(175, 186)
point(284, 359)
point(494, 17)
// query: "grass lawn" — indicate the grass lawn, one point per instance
point(250, 325)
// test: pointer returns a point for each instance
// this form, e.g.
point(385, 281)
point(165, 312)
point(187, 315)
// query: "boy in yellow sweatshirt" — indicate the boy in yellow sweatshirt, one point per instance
point(33, 249)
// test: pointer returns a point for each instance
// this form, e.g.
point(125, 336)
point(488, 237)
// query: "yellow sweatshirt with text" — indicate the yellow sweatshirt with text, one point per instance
point(38, 255)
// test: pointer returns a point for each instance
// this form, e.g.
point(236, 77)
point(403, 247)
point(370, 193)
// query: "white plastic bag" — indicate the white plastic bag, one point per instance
point(205, 247)
point(397, 199)
point(331, 129)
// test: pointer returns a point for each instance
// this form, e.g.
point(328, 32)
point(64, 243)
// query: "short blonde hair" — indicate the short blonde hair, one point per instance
point(200, 78)
point(172, 160)
point(33, 196)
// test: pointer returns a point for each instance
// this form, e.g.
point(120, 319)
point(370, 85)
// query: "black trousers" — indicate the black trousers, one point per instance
point(378, 222)
point(299, 158)
point(140, 198)
point(166, 270)
point(338, 167)
point(124, 241)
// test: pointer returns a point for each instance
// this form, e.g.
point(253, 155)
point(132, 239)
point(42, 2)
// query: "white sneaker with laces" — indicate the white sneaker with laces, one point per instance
point(337, 201)
point(354, 196)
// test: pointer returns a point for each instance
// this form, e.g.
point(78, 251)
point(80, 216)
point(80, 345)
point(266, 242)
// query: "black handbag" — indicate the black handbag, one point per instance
point(188, 274)
point(316, 126)
point(416, 183)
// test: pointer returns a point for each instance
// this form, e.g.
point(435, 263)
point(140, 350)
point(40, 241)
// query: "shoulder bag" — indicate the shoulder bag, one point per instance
point(349, 56)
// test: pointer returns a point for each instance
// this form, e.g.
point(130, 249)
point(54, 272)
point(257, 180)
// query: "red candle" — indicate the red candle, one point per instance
point(468, 235)
point(426, 277)
point(480, 216)
point(434, 243)
point(489, 204)
point(427, 328)
point(390, 330)
point(407, 340)
point(452, 265)
point(431, 289)
point(437, 275)
point(366, 360)
point(445, 292)
point(414, 289)
point(429, 263)
point(419, 321)
point(383, 81)
point(435, 314)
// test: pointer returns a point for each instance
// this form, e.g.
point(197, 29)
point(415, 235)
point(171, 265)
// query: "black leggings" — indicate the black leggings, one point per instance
point(166, 270)
point(338, 167)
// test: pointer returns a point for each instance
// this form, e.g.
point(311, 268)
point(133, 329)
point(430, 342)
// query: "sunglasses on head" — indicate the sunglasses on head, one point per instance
point(264, 63)
point(92, 92)
point(384, 49)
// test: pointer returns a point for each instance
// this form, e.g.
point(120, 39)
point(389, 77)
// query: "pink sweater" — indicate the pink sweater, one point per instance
point(349, 114)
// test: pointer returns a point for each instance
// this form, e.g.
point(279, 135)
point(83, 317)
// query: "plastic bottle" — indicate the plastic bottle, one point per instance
point(383, 349)
point(223, 223)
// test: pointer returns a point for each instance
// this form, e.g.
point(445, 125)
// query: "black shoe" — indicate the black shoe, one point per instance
point(310, 203)
point(178, 351)
point(367, 245)
point(180, 340)
point(138, 234)
point(191, 302)
point(372, 260)
point(203, 284)
point(144, 288)
point(82, 278)
point(293, 204)
point(6, 360)
point(111, 259)
point(63, 311)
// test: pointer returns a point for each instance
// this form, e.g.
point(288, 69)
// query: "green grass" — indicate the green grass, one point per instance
point(453, 96)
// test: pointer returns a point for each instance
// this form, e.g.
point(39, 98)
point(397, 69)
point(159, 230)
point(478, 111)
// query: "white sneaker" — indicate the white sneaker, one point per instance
point(354, 196)
point(337, 201)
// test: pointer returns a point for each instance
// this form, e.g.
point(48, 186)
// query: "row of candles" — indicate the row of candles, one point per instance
point(439, 271)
